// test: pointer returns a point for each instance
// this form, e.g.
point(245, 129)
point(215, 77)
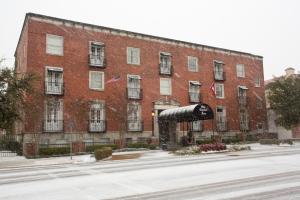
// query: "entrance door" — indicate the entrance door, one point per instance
point(167, 132)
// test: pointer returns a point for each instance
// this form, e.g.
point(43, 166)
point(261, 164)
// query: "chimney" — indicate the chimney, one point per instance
point(289, 71)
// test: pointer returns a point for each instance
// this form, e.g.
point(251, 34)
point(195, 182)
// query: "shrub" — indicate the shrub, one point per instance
point(204, 141)
point(50, 151)
point(152, 146)
point(239, 148)
point(102, 153)
point(184, 141)
point(138, 145)
point(99, 146)
point(269, 141)
point(287, 141)
point(231, 140)
point(213, 147)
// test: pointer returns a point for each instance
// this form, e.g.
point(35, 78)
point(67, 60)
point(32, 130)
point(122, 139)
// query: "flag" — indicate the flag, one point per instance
point(212, 87)
point(114, 79)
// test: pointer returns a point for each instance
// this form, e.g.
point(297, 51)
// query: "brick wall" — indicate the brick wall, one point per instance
point(76, 75)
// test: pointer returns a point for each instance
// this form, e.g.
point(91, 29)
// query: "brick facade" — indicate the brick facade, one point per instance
point(31, 56)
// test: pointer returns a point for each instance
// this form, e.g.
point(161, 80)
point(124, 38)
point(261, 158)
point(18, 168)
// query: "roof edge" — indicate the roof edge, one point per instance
point(134, 33)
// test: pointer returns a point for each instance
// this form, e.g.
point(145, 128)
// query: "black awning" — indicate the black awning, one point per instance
point(187, 113)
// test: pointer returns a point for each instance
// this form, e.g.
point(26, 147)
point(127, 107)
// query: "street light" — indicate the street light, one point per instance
point(153, 114)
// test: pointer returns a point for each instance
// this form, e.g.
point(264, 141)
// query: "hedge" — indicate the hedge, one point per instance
point(231, 140)
point(275, 141)
point(92, 148)
point(102, 153)
point(142, 145)
point(50, 151)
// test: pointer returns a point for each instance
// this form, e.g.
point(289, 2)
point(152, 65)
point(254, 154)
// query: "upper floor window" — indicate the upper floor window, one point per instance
point(219, 88)
point(54, 45)
point(257, 81)
point(194, 91)
point(219, 70)
point(165, 86)
point(96, 56)
point(192, 64)
point(133, 56)
point(242, 95)
point(240, 70)
point(165, 63)
point(96, 80)
point(134, 87)
point(54, 80)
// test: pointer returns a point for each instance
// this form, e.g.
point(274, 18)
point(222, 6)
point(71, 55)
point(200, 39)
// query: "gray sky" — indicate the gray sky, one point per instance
point(270, 28)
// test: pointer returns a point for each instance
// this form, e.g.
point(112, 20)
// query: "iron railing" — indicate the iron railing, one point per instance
point(219, 75)
point(97, 126)
point(194, 97)
point(134, 93)
point(165, 69)
point(54, 87)
point(135, 125)
point(53, 125)
point(97, 60)
point(244, 125)
point(242, 100)
point(221, 125)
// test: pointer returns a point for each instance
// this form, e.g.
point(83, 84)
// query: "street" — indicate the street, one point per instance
point(266, 172)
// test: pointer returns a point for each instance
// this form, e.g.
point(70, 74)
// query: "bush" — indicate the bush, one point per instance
point(184, 141)
point(92, 148)
point(142, 145)
point(204, 141)
point(269, 141)
point(231, 140)
point(239, 148)
point(50, 151)
point(102, 153)
point(213, 147)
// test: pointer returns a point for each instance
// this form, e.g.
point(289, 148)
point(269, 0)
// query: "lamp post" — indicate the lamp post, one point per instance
point(153, 114)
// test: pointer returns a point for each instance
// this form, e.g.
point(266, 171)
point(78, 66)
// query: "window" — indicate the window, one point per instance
point(219, 88)
point(244, 122)
point(219, 70)
point(242, 95)
point(54, 80)
point(194, 91)
point(53, 116)
point(133, 56)
point(165, 86)
point(133, 87)
point(221, 118)
point(96, 80)
point(257, 81)
point(192, 64)
point(197, 126)
point(97, 117)
point(165, 65)
point(240, 70)
point(134, 117)
point(96, 54)
point(54, 45)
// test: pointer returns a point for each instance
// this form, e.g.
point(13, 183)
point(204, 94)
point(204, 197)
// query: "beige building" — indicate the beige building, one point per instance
point(273, 128)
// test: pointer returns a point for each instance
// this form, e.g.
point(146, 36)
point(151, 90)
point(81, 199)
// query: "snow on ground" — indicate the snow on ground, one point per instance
point(98, 184)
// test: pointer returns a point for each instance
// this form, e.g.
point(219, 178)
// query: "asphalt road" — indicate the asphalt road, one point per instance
point(272, 173)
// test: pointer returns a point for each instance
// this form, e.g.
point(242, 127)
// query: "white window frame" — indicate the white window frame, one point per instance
point(240, 70)
point(57, 89)
point(130, 56)
point(50, 52)
point(137, 120)
point(53, 121)
point(96, 120)
point(189, 64)
point(257, 81)
point(134, 94)
point(170, 86)
point(90, 80)
point(101, 57)
point(223, 90)
point(198, 91)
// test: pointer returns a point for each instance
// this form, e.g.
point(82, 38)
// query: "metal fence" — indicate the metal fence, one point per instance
point(11, 145)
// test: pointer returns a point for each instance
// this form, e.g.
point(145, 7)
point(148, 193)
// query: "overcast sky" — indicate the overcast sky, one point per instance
point(270, 28)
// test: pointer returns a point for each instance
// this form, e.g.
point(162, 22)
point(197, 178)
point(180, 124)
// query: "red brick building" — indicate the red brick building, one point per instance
point(102, 83)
